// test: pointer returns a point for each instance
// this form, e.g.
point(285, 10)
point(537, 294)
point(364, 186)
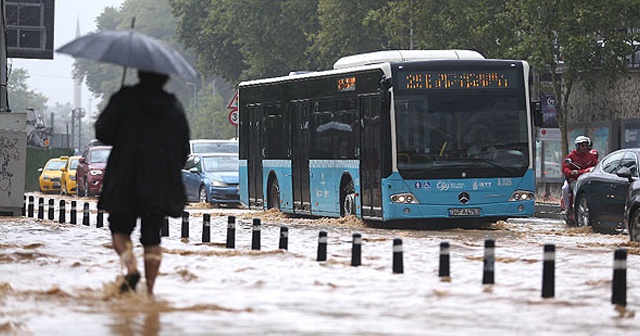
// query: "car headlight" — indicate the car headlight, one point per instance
point(72, 178)
point(45, 177)
point(216, 183)
point(95, 172)
point(521, 195)
point(405, 198)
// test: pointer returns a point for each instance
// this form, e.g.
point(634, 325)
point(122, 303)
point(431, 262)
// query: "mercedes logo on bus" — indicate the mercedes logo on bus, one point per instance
point(464, 197)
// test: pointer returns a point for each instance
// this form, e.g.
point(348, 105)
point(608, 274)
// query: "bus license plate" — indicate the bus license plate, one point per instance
point(464, 212)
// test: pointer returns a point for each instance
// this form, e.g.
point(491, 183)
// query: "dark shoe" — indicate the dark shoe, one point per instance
point(130, 282)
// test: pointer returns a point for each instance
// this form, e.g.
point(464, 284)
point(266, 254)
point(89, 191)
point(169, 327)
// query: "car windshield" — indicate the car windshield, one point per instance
point(101, 155)
point(220, 163)
point(73, 164)
point(215, 147)
point(55, 165)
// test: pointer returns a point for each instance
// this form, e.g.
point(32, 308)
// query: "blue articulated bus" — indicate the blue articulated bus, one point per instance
point(392, 136)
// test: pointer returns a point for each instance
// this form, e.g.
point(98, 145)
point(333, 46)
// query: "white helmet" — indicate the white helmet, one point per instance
point(582, 139)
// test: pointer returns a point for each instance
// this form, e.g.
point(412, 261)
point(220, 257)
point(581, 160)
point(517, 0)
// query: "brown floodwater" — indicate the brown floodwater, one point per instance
point(61, 279)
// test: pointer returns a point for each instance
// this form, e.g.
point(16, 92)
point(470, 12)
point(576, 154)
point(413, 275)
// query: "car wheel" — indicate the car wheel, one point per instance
point(273, 202)
point(634, 226)
point(63, 189)
point(202, 195)
point(582, 211)
point(348, 200)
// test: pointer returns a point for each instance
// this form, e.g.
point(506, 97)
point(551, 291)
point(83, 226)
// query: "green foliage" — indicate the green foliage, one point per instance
point(20, 96)
point(210, 119)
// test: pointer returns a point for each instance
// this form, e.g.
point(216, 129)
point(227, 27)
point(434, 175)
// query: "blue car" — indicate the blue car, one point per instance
point(212, 178)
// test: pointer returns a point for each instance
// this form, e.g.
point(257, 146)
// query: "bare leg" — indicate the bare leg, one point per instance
point(152, 259)
point(123, 246)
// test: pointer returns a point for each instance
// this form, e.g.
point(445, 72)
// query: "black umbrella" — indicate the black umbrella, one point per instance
point(130, 49)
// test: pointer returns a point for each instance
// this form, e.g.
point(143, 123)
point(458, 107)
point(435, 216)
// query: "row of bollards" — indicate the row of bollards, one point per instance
point(29, 210)
point(619, 284)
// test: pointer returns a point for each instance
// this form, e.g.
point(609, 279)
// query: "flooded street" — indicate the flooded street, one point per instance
point(60, 279)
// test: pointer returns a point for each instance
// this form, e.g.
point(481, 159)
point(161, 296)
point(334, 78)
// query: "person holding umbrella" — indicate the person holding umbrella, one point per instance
point(149, 134)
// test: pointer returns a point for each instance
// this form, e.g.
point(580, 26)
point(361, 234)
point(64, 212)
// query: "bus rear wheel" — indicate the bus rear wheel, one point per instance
point(273, 196)
point(348, 200)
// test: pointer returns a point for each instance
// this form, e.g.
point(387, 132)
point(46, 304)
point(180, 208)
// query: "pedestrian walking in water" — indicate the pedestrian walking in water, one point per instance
point(150, 137)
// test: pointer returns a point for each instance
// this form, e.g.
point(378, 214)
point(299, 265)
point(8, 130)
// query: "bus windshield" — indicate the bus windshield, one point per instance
point(461, 133)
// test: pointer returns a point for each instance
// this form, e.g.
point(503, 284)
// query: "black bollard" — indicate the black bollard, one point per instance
point(85, 214)
point(489, 262)
point(356, 250)
point(322, 246)
point(74, 213)
point(445, 257)
point(206, 228)
point(185, 224)
point(231, 232)
point(619, 286)
point(62, 215)
point(51, 209)
point(40, 208)
point(30, 210)
point(24, 205)
point(284, 238)
point(549, 271)
point(165, 227)
point(100, 218)
point(255, 236)
point(398, 267)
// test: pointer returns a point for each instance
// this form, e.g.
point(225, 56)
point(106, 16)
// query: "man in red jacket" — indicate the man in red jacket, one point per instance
point(579, 161)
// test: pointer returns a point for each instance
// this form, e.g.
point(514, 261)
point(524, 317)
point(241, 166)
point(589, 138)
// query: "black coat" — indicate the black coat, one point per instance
point(150, 137)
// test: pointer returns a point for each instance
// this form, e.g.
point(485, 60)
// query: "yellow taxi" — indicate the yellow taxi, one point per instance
point(68, 178)
point(50, 174)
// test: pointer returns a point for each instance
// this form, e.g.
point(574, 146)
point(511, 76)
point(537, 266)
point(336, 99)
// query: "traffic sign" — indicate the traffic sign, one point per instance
point(233, 117)
point(233, 104)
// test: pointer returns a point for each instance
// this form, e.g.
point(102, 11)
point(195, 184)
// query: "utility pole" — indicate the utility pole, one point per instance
point(4, 99)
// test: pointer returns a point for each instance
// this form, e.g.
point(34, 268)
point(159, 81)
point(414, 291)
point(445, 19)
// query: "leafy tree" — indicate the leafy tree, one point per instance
point(247, 39)
point(210, 120)
point(584, 41)
point(340, 32)
point(20, 95)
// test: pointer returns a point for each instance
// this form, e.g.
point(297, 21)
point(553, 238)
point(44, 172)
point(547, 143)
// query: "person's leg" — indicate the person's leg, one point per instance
point(121, 226)
point(152, 259)
point(565, 196)
point(150, 238)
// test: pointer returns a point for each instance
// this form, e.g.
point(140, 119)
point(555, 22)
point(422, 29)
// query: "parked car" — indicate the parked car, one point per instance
point(212, 178)
point(50, 174)
point(213, 146)
point(600, 196)
point(90, 170)
point(68, 177)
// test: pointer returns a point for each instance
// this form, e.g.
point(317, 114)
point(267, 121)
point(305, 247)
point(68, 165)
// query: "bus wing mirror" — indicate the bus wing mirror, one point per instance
point(385, 83)
point(536, 110)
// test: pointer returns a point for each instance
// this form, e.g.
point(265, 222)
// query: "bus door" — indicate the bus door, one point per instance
point(300, 159)
point(254, 161)
point(370, 160)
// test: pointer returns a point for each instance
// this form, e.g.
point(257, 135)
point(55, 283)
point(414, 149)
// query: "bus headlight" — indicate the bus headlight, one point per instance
point(404, 198)
point(521, 195)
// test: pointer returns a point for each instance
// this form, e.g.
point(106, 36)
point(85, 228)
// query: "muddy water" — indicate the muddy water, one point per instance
point(61, 279)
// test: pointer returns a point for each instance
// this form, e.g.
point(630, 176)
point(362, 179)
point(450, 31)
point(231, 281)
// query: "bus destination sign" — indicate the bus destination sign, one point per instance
point(346, 84)
point(427, 80)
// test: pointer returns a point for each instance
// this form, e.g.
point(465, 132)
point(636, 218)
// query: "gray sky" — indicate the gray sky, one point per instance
point(53, 78)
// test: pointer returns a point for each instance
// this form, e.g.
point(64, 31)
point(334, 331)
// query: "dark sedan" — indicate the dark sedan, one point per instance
point(600, 196)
